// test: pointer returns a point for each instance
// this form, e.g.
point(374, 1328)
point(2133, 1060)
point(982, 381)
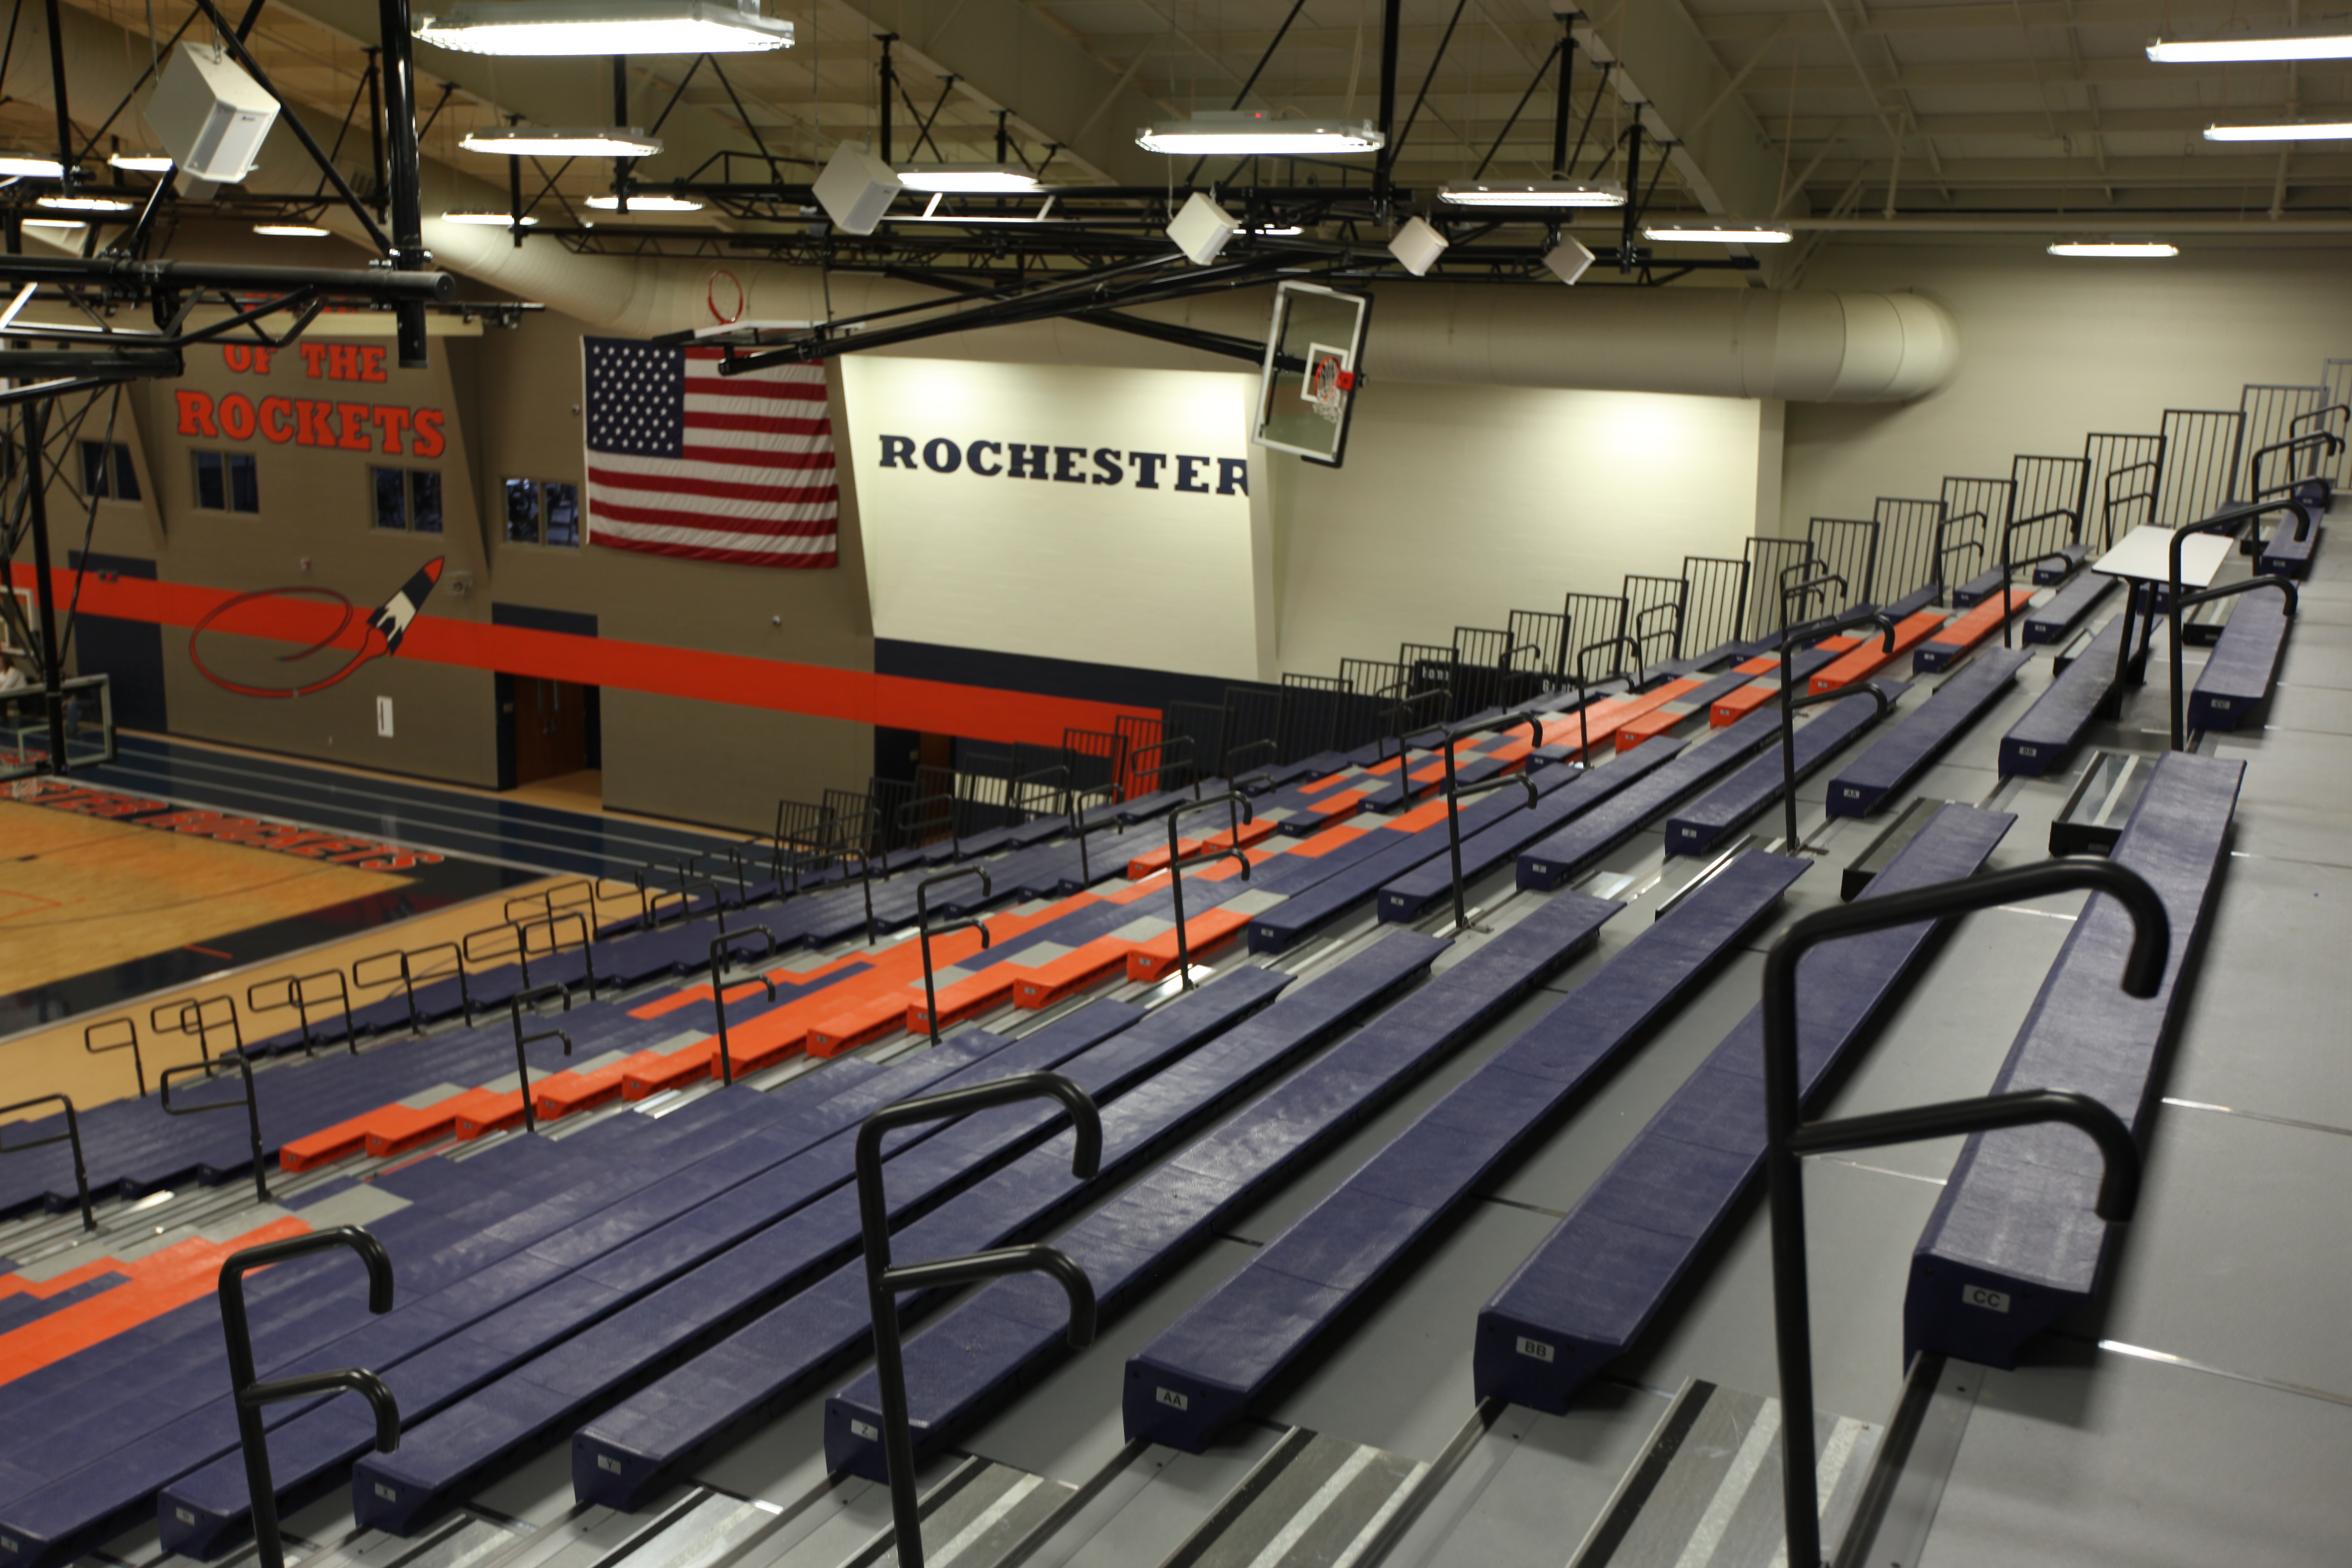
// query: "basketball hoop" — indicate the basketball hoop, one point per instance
point(1329, 381)
point(711, 298)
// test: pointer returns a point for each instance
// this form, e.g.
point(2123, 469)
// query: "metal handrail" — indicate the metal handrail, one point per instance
point(1248, 813)
point(1268, 745)
point(408, 978)
point(923, 930)
point(1801, 591)
point(1943, 528)
point(2143, 977)
point(2109, 500)
point(1790, 703)
point(1454, 795)
point(72, 1134)
point(196, 1007)
point(1400, 712)
point(1057, 770)
point(515, 1004)
point(1619, 641)
point(1583, 709)
point(866, 881)
point(883, 1281)
point(554, 946)
point(2229, 519)
point(2206, 596)
point(2009, 565)
point(1676, 611)
point(718, 992)
point(138, 1061)
point(908, 824)
point(545, 898)
point(296, 999)
point(2322, 414)
point(249, 1395)
point(252, 1111)
point(2328, 439)
point(1135, 759)
point(1081, 830)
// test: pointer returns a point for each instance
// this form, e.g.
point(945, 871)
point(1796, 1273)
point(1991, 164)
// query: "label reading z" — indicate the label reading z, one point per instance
point(1170, 1398)
point(1990, 1301)
point(1535, 1349)
point(864, 1429)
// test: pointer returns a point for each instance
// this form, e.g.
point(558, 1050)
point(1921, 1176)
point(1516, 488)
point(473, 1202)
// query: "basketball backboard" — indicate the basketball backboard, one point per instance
point(1314, 354)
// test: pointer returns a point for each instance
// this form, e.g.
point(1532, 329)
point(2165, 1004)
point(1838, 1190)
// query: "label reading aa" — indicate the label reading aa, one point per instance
point(1535, 1349)
point(1173, 1400)
point(1990, 1301)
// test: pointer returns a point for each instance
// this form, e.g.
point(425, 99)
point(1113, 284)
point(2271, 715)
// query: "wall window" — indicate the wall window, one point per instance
point(406, 499)
point(106, 473)
point(542, 512)
point(227, 481)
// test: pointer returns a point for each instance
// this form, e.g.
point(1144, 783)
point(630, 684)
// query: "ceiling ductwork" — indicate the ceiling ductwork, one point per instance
point(1803, 347)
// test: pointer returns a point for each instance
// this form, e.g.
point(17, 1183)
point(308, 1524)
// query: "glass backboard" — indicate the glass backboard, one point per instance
point(1314, 352)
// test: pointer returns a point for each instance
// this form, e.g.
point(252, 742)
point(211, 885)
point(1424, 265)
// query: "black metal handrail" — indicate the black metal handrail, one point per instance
point(555, 944)
point(1790, 703)
point(2206, 596)
point(194, 1017)
point(249, 1395)
point(718, 991)
point(1160, 772)
point(914, 824)
point(2321, 415)
point(251, 1105)
point(1232, 799)
point(515, 1006)
point(924, 931)
point(2327, 439)
point(1454, 795)
point(1400, 713)
point(1584, 707)
point(1801, 592)
point(72, 1134)
point(545, 899)
point(1943, 530)
point(1017, 797)
point(1616, 642)
point(2109, 502)
point(866, 881)
point(297, 997)
point(2009, 564)
point(1269, 746)
point(1081, 830)
point(883, 1281)
point(2143, 977)
point(138, 1061)
point(2229, 519)
point(1674, 649)
point(408, 978)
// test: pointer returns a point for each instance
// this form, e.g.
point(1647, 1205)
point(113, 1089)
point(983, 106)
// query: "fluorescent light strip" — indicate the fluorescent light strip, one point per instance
point(1724, 233)
point(545, 27)
point(976, 179)
point(54, 223)
point(1538, 194)
point(646, 204)
point(140, 163)
point(1243, 136)
point(551, 142)
point(487, 220)
point(2324, 131)
point(2229, 51)
point(24, 166)
point(292, 230)
point(83, 203)
point(2140, 249)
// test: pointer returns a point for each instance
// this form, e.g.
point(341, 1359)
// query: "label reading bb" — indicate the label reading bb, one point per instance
point(863, 1429)
point(387, 1493)
point(1534, 1350)
point(609, 1465)
point(1990, 1301)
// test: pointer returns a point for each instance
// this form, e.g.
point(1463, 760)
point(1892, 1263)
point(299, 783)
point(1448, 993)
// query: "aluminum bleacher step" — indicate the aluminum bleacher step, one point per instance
point(1901, 755)
point(1553, 860)
point(634, 1450)
point(1707, 821)
point(2050, 573)
point(2014, 1244)
point(2042, 740)
point(1217, 1362)
point(1959, 639)
point(2238, 672)
point(1591, 1287)
point(975, 1357)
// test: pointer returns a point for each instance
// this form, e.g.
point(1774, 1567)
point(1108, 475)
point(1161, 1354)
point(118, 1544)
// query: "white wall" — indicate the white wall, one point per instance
point(1459, 504)
point(1106, 572)
point(2053, 349)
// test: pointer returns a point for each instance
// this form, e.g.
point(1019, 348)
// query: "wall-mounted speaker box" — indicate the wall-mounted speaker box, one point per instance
point(209, 115)
point(1202, 228)
point(857, 189)
point(1567, 259)
point(1417, 247)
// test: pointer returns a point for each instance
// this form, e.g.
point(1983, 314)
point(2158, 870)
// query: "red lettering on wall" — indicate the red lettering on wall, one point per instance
point(353, 419)
point(342, 362)
point(237, 419)
point(238, 357)
point(196, 413)
point(261, 360)
point(429, 442)
point(314, 359)
point(371, 362)
point(318, 422)
point(391, 420)
point(277, 419)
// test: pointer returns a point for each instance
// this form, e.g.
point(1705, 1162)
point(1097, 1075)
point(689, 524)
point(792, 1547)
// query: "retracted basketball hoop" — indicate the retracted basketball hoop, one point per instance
point(1314, 352)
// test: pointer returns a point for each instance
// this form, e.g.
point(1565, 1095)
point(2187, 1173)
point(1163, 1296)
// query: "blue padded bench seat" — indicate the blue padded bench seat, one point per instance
point(1589, 1290)
point(1707, 821)
point(978, 1356)
point(2049, 574)
point(1551, 860)
point(1920, 737)
point(1422, 888)
point(625, 1457)
point(2040, 742)
point(1967, 596)
point(2238, 672)
point(2052, 620)
point(1217, 1362)
point(2288, 551)
point(2014, 1244)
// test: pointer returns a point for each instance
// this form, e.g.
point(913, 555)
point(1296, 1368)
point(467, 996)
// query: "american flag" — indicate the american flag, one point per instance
point(684, 461)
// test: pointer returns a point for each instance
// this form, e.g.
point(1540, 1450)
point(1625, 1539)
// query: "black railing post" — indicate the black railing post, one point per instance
point(2075, 532)
point(1789, 703)
point(2203, 595)
point(137, 1060)
point(718, 991)
point(2143, 977)
point(73, 1135)
point(1584, 707)
point(1454, 794)
point(1233, 800)
point(882, 1282)
point(923, 930)
point(249, 1397)
point(515, 1006)
point(251, 1106)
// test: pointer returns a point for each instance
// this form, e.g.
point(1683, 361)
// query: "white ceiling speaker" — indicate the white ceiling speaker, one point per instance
point(209, 115)
point(857, 189)
point(1568, 260)
point(1417, 247)
point(1201, 229)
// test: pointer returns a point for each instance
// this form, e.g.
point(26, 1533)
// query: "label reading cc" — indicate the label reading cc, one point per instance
point(1990, 1301)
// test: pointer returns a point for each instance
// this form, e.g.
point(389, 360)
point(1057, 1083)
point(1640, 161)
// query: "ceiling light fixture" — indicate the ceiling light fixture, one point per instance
point(970, 179)
point(490, 220)
point(140, 163)
point(54, 223)
point(1721, 233)
point(1243, 132)
point(2122, 247)
point(292, 230)
point(558, 142)
point(84, 204)
point(2309, 131)
point(608, 203)
point(26, 166)
point(2229, 51)
point(1534, 194)
point(605, 28)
